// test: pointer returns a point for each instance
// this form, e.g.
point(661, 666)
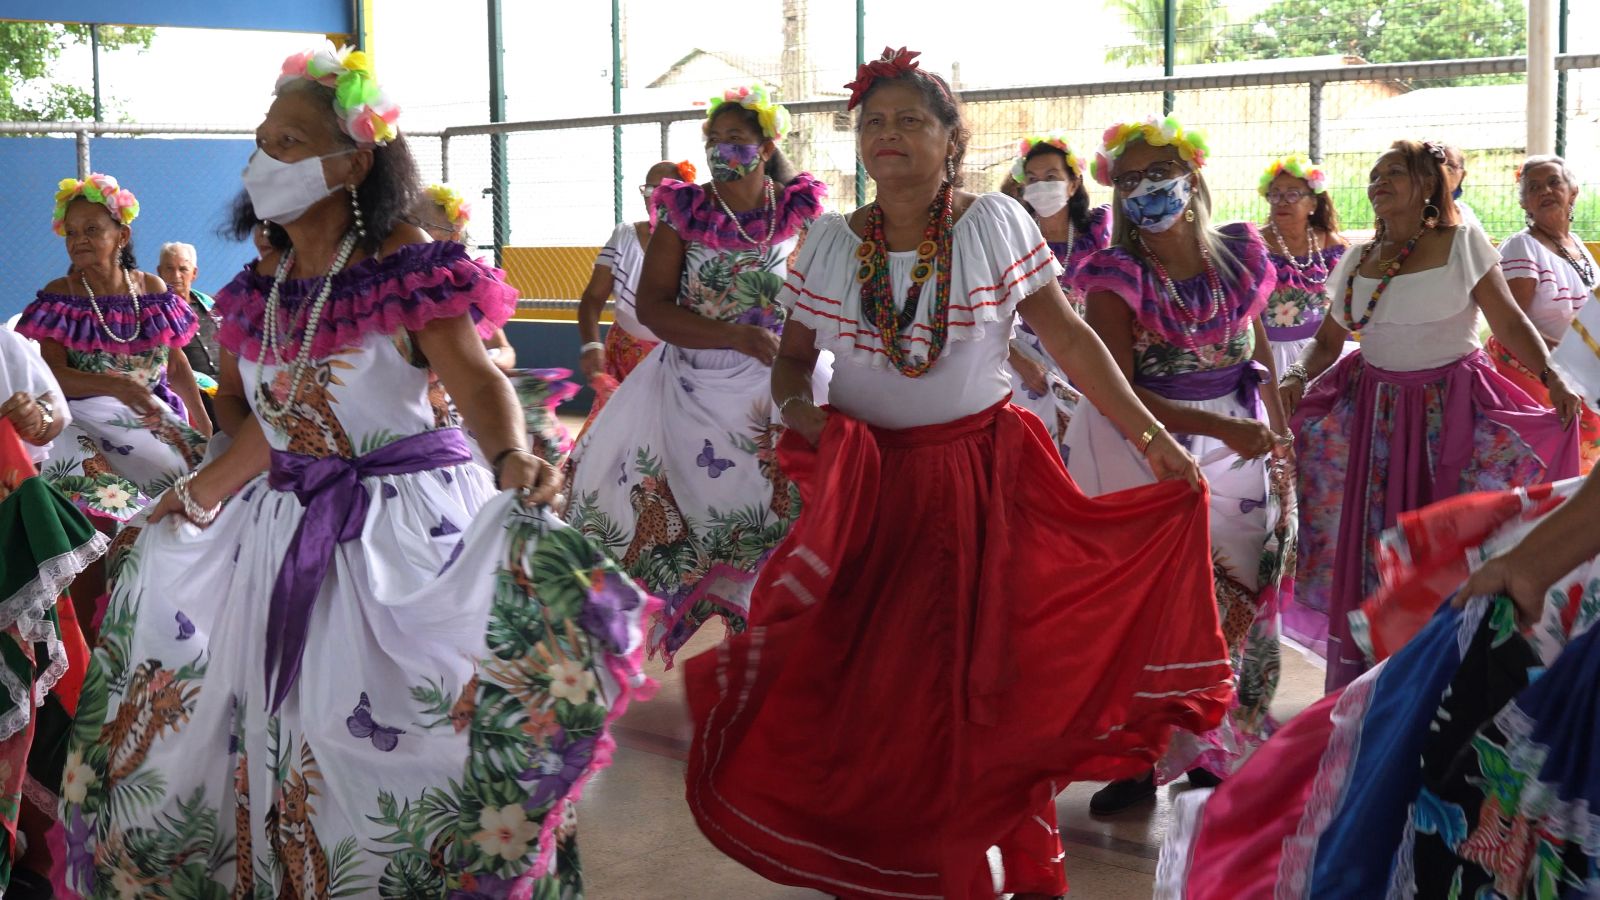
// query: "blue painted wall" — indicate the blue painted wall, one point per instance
point(184, 188)
point(328, 16)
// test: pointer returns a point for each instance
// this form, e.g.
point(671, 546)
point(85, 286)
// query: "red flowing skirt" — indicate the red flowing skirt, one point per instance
point(951, 633)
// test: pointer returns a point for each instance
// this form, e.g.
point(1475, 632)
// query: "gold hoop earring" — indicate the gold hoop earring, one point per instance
point(1430, 219)
point(1188, 214)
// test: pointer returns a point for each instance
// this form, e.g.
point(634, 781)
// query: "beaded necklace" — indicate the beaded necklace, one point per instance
point(772, 216)
point(1314, 262)
point(1584, 269)
point(1195, 317)
point(272, 342)
point(933, 261)
point(1388, 275)
point(138, 319)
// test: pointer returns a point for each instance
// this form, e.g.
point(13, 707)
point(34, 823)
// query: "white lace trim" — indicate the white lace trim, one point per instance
point(28, 610)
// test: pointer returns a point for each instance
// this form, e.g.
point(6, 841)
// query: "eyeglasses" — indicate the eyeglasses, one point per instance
point(645, 190)
point(1290, 196)
point(1128, 182)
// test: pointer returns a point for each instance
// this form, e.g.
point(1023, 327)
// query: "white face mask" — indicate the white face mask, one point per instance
point(1046, 197)
point(282, 192)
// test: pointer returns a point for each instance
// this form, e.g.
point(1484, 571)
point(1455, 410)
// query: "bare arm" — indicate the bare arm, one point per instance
point(487, 403)
point(501, 353)
point(76, 383)
point(1277, 419)
point(657, 300)
point(1511, 326)
point(1324, 351)
point(231, 403)
point(791, 379)
point(181, 377)
point(22, 408)
point(247, 457)
point(1083, 354)
point(590, 305)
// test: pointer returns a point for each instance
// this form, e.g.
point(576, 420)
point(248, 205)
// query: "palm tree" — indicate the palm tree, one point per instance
point(1199, 31)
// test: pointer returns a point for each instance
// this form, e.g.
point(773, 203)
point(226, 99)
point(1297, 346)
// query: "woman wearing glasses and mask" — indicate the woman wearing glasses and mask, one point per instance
point(1049, 177)
point(1178, 303)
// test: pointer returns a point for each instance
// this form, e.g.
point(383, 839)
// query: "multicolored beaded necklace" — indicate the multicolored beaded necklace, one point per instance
point(1195, 317)
point(1388, 275)
point(933, 261)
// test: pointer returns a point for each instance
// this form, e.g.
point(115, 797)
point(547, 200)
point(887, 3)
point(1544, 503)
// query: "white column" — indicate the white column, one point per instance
point(1541, 76)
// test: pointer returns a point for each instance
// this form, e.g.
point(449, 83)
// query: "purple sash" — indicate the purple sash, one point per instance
point(1243, 380)
point(336, 502)
point(1293, 332)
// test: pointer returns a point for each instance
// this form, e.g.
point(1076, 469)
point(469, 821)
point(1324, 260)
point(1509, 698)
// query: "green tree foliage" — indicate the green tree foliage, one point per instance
point(1200, 25)
point(28, 52)
point(1398, 31)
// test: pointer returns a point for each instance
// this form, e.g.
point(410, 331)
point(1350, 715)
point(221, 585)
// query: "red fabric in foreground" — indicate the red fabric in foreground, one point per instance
point(951, 633)
point(1248, 818)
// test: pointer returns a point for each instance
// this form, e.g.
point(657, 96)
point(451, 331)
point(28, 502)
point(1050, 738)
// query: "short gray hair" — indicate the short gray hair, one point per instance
point(1545, 159)
point(178, 248)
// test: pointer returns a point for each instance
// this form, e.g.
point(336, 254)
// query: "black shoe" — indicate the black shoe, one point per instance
point(1204, 778)
point(28, 885)
point(1120, 795)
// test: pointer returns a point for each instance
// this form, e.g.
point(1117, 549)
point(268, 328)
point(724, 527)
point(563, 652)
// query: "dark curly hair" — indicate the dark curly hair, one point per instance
point(386, 196)
point(946, 108)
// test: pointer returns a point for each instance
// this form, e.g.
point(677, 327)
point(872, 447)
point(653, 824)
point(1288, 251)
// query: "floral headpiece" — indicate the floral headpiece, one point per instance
point(365, 112)
point(456, 208)
point(1299, 166)
point(1056, 139)
point(774, 116)
point(687, 173)
point(1155, 132)
point(892, 64)
point(102, 189)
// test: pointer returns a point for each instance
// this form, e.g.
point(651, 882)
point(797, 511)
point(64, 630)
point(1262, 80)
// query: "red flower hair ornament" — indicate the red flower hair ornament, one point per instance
point(892, 64)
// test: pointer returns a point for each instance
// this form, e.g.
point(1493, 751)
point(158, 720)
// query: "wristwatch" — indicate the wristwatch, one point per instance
point(47, 416)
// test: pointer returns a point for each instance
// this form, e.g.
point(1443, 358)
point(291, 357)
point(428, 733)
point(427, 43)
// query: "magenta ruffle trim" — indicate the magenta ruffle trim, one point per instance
point(1114, 269)
point(1289, 276)
point(164, 320)
point(1085, 245)
point(696, 216)
point(406, 289)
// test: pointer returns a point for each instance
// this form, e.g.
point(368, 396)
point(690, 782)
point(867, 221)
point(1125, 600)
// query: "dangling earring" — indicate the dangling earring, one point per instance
point(1570, 212)
point(950, 169)
point(355, 211)
point(1527, 218)
point(1188, 214)
point(1430, 219)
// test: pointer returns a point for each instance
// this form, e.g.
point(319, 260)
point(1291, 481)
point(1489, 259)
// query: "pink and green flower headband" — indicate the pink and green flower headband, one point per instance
point(455, 207)
point(1299, 166)
point(774, 117)
point(1191, 144)
point(1056, 139)
point(102, 189)
point(365, 112)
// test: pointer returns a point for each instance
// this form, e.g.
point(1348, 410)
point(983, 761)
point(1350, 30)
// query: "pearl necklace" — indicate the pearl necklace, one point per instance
point(1219, 297)
point(772, 216)
point(272, 343)
point(133, 292)
point(1313, 255)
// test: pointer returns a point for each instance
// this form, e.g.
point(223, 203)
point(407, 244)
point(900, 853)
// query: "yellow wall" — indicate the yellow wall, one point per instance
point(550, 273)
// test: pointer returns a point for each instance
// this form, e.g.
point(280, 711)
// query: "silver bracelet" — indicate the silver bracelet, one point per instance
point(1297, 370)
point(784, 406)
point(193, 511)
point(592, 345)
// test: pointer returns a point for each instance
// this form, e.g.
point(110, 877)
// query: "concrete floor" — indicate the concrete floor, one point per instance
point(639, 842)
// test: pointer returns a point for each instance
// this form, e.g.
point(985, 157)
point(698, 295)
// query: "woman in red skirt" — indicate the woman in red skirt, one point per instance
point(952, 631)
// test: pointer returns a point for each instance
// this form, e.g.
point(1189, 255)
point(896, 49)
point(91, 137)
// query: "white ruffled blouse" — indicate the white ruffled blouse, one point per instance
point(998, 258)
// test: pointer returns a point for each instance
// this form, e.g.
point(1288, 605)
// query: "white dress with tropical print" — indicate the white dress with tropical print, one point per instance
point(462, 659)
point(678, 475)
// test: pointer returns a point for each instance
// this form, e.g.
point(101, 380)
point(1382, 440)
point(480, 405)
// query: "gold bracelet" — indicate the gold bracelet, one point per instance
point(1150, 435)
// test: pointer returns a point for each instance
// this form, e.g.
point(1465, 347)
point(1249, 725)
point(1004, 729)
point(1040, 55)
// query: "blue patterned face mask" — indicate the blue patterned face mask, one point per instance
point(1156, 205)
